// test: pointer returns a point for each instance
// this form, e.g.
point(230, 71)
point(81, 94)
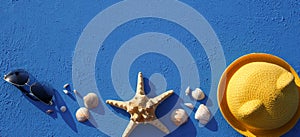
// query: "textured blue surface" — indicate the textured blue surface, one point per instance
point(40, 36)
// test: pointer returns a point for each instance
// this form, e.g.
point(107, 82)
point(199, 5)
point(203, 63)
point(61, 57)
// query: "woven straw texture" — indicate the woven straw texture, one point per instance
point(258, 95)
point(262, 95)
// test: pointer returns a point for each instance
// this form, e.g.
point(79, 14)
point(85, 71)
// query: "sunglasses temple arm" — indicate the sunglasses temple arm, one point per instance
point(25, 92)
point(22, 89)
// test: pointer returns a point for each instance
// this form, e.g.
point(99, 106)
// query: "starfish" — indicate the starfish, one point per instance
point(141, 108)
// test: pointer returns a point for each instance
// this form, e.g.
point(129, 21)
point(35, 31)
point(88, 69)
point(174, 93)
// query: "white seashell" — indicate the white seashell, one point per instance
point(189, 105)
point(75, 91)
point(82, 114)
point(188, 90)
point(66, 91)
point(198, 94)
point(49, 111)
point(63, 108)
point(91, 100)
point(179, 117)
point(66, 85)
point(202, 114)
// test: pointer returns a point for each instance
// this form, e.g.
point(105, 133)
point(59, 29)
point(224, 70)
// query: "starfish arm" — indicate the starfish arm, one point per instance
point(140, 85)
point(119, 104)
point(158, 99)
point(129, 128)
point(159, 125)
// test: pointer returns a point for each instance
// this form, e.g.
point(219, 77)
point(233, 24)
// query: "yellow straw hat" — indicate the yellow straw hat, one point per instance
point(259, 95)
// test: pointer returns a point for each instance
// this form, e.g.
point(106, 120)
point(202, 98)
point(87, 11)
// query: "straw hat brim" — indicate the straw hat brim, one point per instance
point(222, 101)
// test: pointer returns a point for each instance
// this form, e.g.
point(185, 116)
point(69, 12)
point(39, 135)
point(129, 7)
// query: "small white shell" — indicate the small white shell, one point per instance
point(63, 108)
point(49, 111)
point(179, 117)
point(198, 94)
point(189, 105)
point(82, 114)
point(66, 91)
point(66, 85)
point(188, 90)
point(75, 91)
point(91, 100)
point(202, 114)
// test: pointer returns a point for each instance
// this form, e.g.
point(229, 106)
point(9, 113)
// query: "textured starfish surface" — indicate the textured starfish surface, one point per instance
point(141, 108)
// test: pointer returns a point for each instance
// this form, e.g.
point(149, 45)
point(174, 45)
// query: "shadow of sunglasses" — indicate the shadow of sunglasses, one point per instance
point(20, 78)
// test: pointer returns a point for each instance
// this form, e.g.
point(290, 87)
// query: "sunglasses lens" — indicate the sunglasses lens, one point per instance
point(41, 92)
point(17, 77)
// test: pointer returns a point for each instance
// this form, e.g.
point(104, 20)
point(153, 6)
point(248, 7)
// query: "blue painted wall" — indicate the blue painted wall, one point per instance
point(40, 36)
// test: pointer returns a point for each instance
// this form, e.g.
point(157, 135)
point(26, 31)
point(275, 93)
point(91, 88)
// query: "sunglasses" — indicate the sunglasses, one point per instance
point(20, 79)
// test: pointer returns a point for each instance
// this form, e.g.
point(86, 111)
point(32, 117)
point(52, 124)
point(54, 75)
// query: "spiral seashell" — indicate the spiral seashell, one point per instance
point(82, 114)
point(202, 114)
point(63, 108)
point(189, 105)
point(188, 90)
point(91, 100)
point(198, 94)
point(179, 117)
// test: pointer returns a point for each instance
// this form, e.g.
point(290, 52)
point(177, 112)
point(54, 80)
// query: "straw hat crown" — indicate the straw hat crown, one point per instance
point(262, 95)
